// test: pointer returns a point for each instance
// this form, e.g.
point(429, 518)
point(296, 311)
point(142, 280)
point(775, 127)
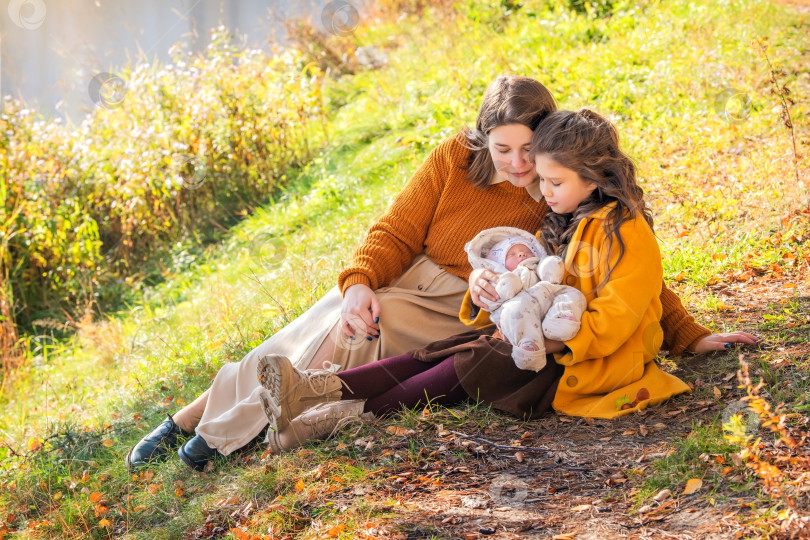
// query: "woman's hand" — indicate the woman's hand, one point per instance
point(482, 285)
point(360, 312)
point(718, 342)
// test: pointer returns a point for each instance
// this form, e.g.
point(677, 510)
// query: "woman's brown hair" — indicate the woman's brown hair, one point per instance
point(587, 143)
point(508, 100)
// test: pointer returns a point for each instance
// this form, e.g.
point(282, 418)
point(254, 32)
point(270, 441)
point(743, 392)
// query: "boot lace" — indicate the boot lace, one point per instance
point(318, 380)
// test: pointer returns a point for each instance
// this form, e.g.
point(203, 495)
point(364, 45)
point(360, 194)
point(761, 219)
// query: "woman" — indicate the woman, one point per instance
point(406, 282)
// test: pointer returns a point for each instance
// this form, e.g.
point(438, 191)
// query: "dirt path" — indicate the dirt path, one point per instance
point(584, 487)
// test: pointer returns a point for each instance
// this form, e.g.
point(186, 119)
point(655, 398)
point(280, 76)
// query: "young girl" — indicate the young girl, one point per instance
point(602, 229)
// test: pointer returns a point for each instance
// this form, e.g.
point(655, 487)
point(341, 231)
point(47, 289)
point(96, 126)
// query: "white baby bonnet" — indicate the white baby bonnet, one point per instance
point(479, 248)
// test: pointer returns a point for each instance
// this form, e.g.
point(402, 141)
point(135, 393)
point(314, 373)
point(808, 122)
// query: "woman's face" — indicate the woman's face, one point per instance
point(509, 148)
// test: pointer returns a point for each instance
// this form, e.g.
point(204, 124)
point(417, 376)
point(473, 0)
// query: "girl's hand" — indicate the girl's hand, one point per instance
point(554, 346)
point(718, 342)
point(482, 285)
point(360, 312)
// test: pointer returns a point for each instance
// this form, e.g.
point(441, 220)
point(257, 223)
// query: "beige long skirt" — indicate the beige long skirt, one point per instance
point(419, 307)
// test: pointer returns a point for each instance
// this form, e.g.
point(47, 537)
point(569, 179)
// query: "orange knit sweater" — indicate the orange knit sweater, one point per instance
point(439, 211)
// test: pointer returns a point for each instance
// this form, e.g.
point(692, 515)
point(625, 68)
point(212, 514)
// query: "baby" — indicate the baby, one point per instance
point(511, 252)
point(532, 303)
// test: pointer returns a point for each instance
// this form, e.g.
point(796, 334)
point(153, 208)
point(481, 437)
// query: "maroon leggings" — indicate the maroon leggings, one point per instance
point(390, 383)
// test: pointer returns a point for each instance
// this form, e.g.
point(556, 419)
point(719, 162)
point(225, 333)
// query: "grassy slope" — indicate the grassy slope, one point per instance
point(657, 69)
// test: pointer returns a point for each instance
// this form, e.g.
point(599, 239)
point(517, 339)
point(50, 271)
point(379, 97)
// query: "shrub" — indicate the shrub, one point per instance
point(185, 146)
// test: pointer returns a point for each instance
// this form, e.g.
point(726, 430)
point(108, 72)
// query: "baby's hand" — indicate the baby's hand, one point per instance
point(508, 285)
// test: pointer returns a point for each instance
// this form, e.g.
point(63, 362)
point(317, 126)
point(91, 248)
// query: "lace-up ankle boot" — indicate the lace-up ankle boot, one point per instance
point(291, 391)
point(319, 422)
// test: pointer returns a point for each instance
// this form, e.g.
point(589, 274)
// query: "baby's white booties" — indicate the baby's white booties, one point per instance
point(529, 360)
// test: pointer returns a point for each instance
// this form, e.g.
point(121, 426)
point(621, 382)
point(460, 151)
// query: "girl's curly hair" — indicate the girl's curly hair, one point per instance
point(588, 143)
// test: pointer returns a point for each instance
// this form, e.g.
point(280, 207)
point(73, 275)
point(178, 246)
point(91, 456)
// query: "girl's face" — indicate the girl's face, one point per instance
point(509, 148)
point(562, 188)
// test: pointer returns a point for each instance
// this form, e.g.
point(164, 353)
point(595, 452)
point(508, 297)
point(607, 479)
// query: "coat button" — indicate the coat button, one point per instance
point(570, 280)
point(419, 287)
point(571, 381)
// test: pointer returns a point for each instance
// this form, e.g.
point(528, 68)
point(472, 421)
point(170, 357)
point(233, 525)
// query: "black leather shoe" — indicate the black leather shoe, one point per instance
point(196, 453)
point(155, 447)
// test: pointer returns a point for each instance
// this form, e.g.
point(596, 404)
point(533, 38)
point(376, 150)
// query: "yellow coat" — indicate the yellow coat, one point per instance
point(612, 356)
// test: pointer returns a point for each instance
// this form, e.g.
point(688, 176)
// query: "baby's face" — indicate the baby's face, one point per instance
point(516, 255)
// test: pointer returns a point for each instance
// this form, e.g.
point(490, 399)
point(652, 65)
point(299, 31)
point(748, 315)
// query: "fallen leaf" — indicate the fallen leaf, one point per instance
point(239, 534)
point(663, 495)
point(105, 523)
point(95, 497)
point(582, 508)
point(614, 481)
point(336, 530)
point(643, 430)
point(519, 456)
point(693, 486)
point(628, 432)
point(34, 445)
point(154, 488)
point(659, 425)
point(299, 485)
point(717, 392)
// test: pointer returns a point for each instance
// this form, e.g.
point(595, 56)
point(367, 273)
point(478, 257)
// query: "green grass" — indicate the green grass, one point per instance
point(656, 67)
point(693, 456)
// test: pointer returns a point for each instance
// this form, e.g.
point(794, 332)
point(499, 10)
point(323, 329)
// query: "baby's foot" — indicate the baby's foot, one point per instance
point(529, 355)
point(564, 311)
point(561, 329)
